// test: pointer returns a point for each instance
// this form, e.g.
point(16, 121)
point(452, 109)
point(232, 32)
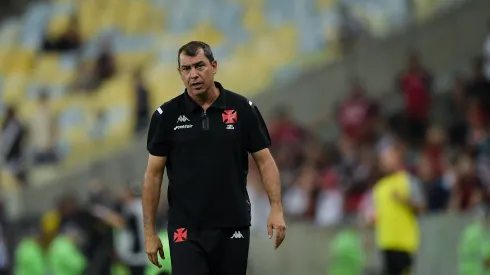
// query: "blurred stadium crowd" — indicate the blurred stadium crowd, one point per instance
point(79, 79)
point(91, 73)
point(323, 181)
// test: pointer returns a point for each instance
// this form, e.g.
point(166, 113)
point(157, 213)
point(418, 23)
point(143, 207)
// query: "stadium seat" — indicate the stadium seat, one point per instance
point(27, 110)
point(58, 24)
point(22, 62)
point(49, 70)
point(10, 31)
point(5, 64)
point(90, 18)
point(14, 89)
point(326, 4)
point(204, 32)
point(253, 19)
point(139, 18)
point(128, 62)
point(8, 182)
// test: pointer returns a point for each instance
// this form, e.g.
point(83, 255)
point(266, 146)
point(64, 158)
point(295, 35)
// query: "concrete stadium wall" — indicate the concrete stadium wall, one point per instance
point(446, 43)
point(305, 249)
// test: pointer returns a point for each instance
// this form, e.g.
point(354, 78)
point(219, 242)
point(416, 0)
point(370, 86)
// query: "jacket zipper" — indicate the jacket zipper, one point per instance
point(205, 120)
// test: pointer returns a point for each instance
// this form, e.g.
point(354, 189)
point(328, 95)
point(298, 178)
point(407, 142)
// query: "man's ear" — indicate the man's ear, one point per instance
point(214, 64)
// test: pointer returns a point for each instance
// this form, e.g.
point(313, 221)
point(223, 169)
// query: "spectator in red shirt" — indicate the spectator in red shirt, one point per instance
point(283, 129)
point(353, 115)
point(416, 84)
point(434, 150)
point(467, 191)
point(436, 192)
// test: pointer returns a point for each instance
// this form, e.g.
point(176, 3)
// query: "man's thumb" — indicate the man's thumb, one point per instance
point(269, 230)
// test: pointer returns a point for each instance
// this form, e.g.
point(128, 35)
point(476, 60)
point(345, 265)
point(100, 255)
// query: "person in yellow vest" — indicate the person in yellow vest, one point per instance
point(398, 199)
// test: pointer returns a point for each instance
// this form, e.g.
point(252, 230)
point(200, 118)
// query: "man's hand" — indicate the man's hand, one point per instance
point(276, 226)
point(154, 246)
point(272, 185)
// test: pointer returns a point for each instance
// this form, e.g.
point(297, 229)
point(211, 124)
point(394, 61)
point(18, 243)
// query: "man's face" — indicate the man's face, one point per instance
point(389, 159)
point(197, 73)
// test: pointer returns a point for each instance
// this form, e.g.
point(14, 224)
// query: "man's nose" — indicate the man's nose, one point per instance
point(194, 73)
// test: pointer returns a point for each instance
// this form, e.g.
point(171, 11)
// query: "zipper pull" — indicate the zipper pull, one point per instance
point(205, 120)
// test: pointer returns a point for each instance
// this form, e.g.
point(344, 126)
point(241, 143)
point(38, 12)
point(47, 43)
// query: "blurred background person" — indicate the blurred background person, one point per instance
point(105, 63)
point(468, 192)
point(94, 223)
point(142, 102)
point(398, 199)
point(32, 251)
point(14, 134)
point(474, 245)
point(354, 113)
point(416, 84)
point(346, 253)
point(44, 131)
point(130, 238)
point(64, 255)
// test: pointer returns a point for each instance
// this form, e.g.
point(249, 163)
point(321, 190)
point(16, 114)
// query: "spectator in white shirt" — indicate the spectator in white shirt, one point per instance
point(130, 241)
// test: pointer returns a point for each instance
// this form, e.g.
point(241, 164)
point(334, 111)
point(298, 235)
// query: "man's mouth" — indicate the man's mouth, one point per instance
point(197, 85)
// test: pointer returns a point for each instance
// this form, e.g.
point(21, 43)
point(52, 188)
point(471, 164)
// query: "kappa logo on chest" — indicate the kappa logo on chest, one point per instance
point(183, 119)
